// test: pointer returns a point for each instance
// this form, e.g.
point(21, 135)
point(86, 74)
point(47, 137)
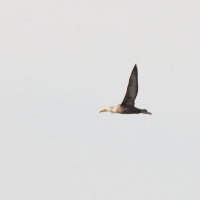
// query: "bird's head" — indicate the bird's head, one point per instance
point(107, 109)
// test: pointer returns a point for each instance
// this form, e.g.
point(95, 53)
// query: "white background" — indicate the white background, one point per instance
point(63, 61)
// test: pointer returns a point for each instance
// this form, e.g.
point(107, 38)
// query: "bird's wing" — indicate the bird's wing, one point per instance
point(132, 89)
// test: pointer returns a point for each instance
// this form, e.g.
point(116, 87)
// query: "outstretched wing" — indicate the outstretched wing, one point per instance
point(132, 89)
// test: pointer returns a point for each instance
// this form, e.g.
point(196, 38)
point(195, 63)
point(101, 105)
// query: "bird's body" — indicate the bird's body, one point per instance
point(128, 110)
point(128, 104)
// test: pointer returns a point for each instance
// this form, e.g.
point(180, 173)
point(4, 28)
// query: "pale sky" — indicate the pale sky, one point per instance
point(63, 61)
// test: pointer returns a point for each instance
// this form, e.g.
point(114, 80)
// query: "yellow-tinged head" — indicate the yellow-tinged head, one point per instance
point(107, 109)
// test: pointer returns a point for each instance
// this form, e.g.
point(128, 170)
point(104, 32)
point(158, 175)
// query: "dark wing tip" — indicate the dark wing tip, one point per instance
point(135, 69)
point(135, 65)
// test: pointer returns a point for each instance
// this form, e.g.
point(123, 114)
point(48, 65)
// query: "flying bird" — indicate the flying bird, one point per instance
point(128, 104)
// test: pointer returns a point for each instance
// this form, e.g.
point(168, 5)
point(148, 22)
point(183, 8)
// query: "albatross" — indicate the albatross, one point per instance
point(128, 104)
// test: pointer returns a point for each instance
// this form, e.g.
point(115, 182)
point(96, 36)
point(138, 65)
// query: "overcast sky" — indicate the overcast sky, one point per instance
point(63, 61)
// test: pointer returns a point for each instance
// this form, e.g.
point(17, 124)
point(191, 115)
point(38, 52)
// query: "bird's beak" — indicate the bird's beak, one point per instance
point(149, 113)
point(104, 110)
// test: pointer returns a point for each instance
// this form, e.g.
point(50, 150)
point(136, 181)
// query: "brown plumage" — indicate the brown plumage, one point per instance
point(128, 104)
